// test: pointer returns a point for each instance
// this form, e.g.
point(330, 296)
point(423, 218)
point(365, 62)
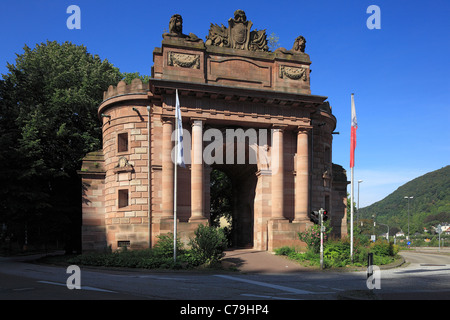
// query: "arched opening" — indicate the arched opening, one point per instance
point(232, 201)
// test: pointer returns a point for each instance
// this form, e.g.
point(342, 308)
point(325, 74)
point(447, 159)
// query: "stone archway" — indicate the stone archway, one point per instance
point(243, 184)
point(220, 84)
point(238, 160)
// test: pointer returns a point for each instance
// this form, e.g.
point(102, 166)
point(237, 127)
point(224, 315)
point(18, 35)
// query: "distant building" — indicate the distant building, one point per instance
point(400, 234)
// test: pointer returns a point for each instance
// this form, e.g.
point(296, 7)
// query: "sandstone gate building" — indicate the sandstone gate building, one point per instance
point(231, 81)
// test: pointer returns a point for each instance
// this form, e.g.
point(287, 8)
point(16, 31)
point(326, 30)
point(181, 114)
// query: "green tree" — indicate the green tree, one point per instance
point(221, 197)
point(129, 76)
point(48, 122)
point(274, 42)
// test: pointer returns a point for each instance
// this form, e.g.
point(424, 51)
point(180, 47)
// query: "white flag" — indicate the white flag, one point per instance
point(179, 127)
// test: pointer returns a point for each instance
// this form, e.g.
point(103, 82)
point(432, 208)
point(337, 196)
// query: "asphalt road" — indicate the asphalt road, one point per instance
point(424, 276)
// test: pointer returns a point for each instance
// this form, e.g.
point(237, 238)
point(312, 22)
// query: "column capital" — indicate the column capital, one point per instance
point(303, 129)
point(197, 121)
point(263, 172)
point(167, 119)
point(279, 126)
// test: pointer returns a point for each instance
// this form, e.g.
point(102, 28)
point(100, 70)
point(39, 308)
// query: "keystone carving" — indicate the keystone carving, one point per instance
point(183, 60)
point(237, 35)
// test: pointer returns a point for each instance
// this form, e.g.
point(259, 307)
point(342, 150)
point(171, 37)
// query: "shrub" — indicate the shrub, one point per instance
point(312, 238)
point(208, 245)
point(360, 255)
point(164, 246)
point(310, 257)
point(383, 248)
point(284, 251)
point(337, 254)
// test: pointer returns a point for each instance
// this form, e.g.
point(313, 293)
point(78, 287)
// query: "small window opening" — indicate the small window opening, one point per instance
point(122, 142)
point(123, 198)
point(123, 244)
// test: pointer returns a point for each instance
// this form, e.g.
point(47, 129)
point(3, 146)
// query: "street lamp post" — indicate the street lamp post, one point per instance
point(373, 228)
point(387, 235)
point(409, 198)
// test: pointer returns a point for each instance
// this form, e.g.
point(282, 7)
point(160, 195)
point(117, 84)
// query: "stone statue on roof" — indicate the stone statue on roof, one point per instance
point(298, 47)
point(176, 30)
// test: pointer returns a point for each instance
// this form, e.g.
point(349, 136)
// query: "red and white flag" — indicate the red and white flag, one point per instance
point(353, 134)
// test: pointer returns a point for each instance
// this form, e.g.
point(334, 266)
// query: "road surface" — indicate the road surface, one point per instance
point(424, 276)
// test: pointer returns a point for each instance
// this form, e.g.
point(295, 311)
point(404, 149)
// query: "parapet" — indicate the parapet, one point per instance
point(136, 86)
point(232, 55)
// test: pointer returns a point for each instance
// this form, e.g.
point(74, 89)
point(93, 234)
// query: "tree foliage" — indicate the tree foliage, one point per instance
point(48, 122)
point(274, 42)
point(221, 197)
point(129, 76)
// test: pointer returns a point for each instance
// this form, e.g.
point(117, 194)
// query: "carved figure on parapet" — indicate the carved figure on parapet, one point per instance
point(239, 30)
point(298, 47)
point(299, 44)
point(218, 36)
point(237, 35)
point(176, 30)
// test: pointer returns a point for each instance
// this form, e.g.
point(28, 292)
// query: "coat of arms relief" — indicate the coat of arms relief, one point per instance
point(238, 35)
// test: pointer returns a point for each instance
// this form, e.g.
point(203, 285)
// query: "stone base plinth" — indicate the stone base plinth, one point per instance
point(285, 233)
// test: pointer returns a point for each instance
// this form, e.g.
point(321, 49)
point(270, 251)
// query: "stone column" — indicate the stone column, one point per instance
point(302, 176)
point(197, 201)
point(277, 168)
point(167, 169)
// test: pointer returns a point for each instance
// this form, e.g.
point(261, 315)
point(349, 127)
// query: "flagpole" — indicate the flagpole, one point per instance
point(354, 126)
point(179, 157)
point(351, 215)
point(175, 203)
point(175, 180)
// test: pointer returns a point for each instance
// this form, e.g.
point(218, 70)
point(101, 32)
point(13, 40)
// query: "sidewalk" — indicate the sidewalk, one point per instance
point(254, 261)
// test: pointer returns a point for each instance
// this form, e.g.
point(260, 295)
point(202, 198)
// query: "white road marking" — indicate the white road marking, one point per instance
point(269, 285)
point(82, 287)
point(267, 297)
point(162, 278)
point(23, 289)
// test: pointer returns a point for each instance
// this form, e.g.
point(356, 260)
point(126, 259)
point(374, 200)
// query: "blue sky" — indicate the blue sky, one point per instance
point(400, 74)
